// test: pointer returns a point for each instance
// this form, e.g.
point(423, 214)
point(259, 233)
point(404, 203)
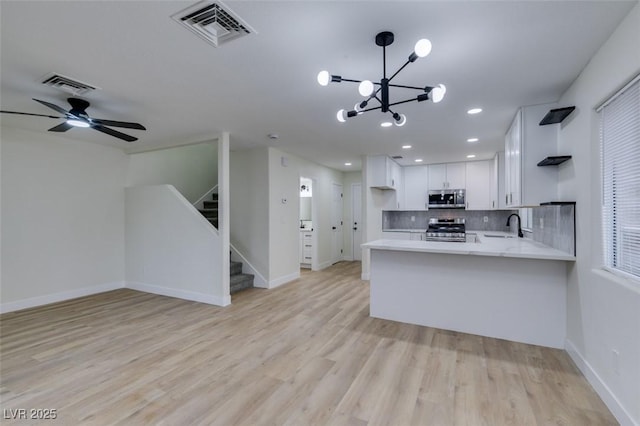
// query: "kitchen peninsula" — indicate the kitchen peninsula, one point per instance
point(499, 286)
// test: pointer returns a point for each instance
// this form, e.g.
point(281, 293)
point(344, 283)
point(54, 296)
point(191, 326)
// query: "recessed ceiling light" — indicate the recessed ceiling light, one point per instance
point(406, 146)
point(386, 124)
point(474, 111)
point(471, 156)
point(347, 164)
point(418, 160)
point(472, 140)
point(273, 136)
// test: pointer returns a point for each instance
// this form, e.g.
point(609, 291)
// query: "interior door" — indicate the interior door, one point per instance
point(356, 215)
point(336, 223)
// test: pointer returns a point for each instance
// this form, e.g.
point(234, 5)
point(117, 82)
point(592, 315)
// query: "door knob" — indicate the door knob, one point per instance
point(333, 227)
point(355, 228)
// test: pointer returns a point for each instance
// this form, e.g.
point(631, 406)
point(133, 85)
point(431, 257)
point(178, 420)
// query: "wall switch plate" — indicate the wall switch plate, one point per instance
point(485, 219)
point(541, 223)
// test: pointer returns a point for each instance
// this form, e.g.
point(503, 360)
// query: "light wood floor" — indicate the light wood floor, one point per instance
point(306, 353)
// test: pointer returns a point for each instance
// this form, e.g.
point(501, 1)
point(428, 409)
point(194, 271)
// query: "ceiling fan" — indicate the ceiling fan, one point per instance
point(78, 117)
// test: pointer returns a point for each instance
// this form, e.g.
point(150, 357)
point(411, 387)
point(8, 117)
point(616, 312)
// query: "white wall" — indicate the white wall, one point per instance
point(249, 206)
point(284, 224)
point(375, 200)
point(171, 249)
point(191, 169)
point(263, 228)
point(603, 311)
point(62, 218)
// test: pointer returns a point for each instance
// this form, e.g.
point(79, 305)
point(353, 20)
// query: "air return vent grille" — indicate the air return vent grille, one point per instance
point(214, 22)
point(67, 84)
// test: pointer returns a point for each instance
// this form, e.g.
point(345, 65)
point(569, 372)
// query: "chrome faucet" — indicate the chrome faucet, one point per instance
point(520, 234)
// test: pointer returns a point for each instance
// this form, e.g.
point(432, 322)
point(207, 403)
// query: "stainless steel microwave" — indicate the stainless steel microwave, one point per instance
point(447, 199)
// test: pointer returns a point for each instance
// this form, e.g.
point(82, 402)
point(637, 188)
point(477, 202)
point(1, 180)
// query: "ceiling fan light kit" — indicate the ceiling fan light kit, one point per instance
point(77, 117)
point(379, 91)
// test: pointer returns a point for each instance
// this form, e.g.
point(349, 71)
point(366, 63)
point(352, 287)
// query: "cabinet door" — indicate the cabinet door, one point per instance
point(478, 185)
point(395, 174)
point(437, 176)
point(456, 176)
point(512, 162)
point(415, 188)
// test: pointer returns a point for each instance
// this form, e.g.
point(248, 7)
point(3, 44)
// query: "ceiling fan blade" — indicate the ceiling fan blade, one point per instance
point(118, 124)
point(28, 113)
point(54, 107)
point(62, 127)
point(113, 133)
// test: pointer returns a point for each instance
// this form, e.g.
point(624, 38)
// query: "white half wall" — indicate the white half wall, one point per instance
point(62, 218)
point(603, 310)
point(191, 169)
point(171, 249)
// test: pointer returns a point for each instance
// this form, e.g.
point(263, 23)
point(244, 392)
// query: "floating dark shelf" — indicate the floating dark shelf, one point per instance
point(556, 115)
point(554, 161)
point(557, 203)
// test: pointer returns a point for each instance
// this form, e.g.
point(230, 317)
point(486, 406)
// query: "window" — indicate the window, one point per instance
point(620, 157)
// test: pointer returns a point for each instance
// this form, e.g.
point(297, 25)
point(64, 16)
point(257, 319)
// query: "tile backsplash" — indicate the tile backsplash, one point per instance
point(474, 219)
point(554, 226)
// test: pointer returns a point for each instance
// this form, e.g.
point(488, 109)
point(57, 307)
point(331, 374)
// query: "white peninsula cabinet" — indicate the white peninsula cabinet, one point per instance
point(385, 173)
point(478, 185)
point(415, 188)
point(447, 176)
point(526, 144)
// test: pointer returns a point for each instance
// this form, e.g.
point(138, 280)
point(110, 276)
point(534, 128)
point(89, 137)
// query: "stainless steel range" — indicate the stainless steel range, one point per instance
point(441, 229)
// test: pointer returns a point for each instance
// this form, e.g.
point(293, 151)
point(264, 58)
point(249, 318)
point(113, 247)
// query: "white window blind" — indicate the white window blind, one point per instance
point(620, 156)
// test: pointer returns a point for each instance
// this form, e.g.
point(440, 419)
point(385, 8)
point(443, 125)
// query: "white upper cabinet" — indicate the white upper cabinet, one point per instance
point(415, 188)
point(478, 185)
point(497, 182)
point(447, 176)
point(527, 143)
point(385, 173)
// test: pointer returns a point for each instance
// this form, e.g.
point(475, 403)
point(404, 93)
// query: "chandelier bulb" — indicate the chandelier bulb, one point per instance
point(422, 48)
point(400, 119)
point(323, 78)
point(341, 116)
point(365, 88)
point(437, 93)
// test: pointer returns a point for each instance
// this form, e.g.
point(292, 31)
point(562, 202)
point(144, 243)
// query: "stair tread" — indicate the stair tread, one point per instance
point(241, 277)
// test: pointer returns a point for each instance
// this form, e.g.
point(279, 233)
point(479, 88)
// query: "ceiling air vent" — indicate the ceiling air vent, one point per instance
point(214, 22)
point(67, 84)
point(397, 157)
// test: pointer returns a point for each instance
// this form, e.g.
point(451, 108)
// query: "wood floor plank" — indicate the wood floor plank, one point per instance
point(305, 353)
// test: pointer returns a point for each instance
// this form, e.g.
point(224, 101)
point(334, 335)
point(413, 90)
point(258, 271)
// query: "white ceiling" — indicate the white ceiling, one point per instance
point(497, 55)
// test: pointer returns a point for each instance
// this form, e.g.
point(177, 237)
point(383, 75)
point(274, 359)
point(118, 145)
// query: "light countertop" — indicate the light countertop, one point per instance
point(487, 246)
point(405, 230)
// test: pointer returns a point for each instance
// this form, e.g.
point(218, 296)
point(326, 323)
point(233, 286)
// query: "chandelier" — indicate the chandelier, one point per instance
point(379, 91)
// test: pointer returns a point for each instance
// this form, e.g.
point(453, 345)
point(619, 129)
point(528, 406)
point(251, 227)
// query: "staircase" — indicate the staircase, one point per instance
point(238, 280)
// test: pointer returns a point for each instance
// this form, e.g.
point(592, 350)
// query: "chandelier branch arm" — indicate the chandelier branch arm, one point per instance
point(403, 102)
point(398, 72)
point(426, 88)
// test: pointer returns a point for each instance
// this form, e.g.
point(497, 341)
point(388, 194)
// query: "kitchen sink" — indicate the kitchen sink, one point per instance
point(499, 236)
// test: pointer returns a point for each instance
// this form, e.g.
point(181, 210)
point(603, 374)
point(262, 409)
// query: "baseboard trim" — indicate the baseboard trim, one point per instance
point(33, 302)
point(324, 265)
point(599, 385)
point(180, 294)
point(365, 276)
point(284, 279)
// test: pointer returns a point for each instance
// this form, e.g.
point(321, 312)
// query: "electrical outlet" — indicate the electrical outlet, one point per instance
point(485, 219)
point(413, 218)
point(615, 361)
point(541, 223)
